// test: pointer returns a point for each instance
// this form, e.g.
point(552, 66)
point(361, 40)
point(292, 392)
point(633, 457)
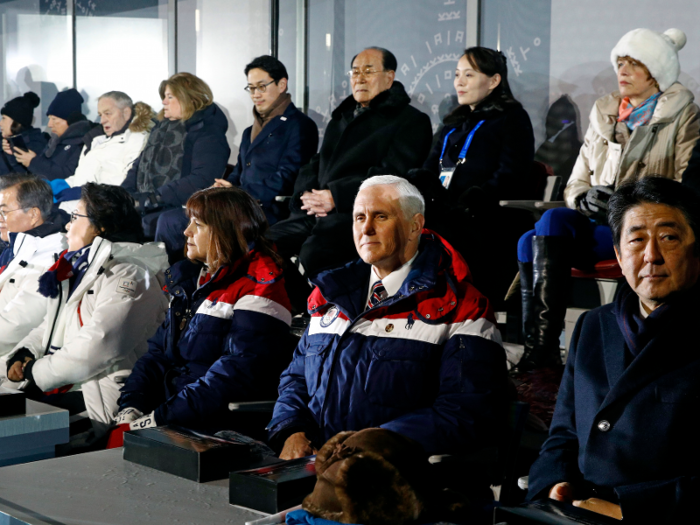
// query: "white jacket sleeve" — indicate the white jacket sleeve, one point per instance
point(21, 314)
point(118, 323)
point(32, 342)
point(88, 167)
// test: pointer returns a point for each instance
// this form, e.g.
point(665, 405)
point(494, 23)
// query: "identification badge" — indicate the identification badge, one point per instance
point(446, 177)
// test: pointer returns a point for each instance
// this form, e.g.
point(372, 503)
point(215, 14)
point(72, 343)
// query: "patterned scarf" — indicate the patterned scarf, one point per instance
point(637, 116)
point(70, 265)
point(161, 160)
point(277, 108)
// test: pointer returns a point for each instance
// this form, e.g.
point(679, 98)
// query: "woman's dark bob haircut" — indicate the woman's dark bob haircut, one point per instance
point(236, 222)
point(490, 62)
point(110, 209)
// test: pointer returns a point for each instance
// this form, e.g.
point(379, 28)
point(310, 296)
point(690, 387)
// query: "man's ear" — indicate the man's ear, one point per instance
point(617, 255)
point(127, 113)
point(35, 214)
point(417, 223)
point(392, 75)
point(282, 85)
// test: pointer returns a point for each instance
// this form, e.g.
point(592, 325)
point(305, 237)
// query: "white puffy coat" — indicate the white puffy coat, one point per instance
point(22, 307)
point(109, 158)
point(92, 339)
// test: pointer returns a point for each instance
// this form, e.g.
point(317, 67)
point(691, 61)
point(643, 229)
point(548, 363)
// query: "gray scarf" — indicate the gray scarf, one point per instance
point(161, 160)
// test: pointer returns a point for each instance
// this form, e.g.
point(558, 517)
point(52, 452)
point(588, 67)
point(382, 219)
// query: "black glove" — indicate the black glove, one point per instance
point(147, 201)
point(477, 201)
point(594, 204)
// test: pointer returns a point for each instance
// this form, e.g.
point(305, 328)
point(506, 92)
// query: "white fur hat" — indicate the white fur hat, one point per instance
point(657, 51)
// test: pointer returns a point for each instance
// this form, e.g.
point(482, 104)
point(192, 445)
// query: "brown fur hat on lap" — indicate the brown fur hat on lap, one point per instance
point(373, 477)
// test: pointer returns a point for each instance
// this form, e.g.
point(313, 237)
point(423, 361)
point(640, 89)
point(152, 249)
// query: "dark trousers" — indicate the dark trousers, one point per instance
point(170, 230)
point(320, 244)
point(592, 243)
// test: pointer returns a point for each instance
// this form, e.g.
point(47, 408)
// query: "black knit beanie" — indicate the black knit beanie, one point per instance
point(21, 109)
point(66, 103)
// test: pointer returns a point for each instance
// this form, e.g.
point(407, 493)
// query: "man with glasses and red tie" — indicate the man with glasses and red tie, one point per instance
point(281, 140)
point(374, 131)
point(398, 339)
point(33, 231)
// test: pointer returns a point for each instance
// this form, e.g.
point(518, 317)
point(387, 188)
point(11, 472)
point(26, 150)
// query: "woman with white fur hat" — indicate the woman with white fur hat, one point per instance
point(648, 127)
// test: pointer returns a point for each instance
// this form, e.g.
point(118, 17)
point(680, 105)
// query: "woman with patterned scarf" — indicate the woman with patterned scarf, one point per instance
point(648, 127)
point(104, 302)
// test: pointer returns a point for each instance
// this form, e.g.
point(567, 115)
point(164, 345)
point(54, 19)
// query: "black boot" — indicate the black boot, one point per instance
point(527, 304)
point(551, 277)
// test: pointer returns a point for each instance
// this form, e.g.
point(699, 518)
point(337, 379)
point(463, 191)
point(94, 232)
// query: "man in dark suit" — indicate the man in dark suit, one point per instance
point(623, 441)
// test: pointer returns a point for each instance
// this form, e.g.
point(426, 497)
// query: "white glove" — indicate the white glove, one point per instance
point(127, 416)
point(145, 422)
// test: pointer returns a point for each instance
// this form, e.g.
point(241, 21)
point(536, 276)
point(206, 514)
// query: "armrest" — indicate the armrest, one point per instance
point(548, 205)
point(522, 205)
point(252, 406)
point(282, 198)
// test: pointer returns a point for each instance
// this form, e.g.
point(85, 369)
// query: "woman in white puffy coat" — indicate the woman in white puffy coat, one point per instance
point(105, 302)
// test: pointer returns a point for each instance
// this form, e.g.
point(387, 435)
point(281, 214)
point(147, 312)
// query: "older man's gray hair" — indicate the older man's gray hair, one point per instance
point(121, 99)
point(411, 200)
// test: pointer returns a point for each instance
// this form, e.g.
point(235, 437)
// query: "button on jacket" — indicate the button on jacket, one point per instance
point(426, 363)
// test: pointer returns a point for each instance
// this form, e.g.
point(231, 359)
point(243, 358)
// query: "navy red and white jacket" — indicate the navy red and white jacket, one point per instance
point(426, 363)
point(222, 341)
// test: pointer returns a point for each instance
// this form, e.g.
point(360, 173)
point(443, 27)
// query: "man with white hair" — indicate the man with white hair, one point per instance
point(399, 339)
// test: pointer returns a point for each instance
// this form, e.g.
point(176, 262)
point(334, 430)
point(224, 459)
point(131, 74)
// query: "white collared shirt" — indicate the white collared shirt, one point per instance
point(392, 282)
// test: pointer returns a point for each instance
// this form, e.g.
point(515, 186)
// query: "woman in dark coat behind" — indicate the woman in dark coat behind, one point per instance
point(185, 152)
point(17, 116)
point(484, 154)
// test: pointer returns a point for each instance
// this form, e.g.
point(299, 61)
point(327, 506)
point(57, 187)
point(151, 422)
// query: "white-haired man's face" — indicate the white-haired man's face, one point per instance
point(384, 236)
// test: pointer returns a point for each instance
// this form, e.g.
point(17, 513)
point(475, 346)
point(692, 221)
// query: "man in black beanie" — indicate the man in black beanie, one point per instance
point(68, 125)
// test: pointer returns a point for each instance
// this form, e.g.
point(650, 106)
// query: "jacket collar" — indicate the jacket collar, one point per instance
point(653, 360)
point(346, 287)
point(55, 223)
point(390, 101)
point(275, 123)
point(671, 103)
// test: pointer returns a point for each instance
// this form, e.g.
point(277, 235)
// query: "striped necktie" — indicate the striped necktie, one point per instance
point(377, 296)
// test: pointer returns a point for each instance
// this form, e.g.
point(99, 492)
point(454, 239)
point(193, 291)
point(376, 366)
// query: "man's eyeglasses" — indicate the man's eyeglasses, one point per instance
point(74, 216)
point(260, 87)
point(5, 213)
point(356, 73)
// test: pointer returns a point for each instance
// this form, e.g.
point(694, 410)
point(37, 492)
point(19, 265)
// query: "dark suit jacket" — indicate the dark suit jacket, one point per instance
point(629, 430)
point(268, 167)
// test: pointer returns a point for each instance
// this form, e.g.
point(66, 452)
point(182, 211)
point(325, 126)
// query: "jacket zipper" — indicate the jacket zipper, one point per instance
point(58, 311)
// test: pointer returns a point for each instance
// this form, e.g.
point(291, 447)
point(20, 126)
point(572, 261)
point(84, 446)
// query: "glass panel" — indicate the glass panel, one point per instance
point(227, 35)
point(427, 37)
point(35, 51)
point(121, 46)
